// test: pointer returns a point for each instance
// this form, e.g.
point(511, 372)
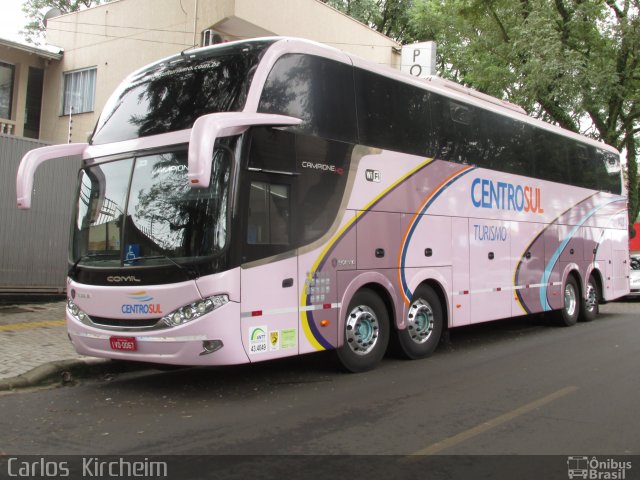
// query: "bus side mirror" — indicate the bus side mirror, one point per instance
point(208, 128)
point(32, 160)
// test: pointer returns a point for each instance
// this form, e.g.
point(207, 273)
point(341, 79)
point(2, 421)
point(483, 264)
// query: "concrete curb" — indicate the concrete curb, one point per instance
point(66, 371)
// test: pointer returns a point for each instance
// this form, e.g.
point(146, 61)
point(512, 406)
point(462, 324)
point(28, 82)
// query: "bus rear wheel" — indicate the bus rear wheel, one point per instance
point(568, 316)
point(365, 333)
point(424, 324)
point(590, 306)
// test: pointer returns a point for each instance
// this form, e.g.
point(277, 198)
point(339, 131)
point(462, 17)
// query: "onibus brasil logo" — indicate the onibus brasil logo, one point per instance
point(596, 469)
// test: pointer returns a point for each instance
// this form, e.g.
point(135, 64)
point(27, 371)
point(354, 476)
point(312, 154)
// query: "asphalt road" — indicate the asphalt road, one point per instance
point(514, 387)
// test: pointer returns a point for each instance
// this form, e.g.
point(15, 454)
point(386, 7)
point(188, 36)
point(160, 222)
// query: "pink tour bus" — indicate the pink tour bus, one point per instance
point(274, 197)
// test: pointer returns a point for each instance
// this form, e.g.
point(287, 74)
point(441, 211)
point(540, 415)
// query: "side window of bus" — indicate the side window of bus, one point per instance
point(459, 130)
point(270, 169)
point(579, 159)
point(269, 218)
point(393, 115)
point(317, 90)
point(551, 157)
point(607, 166)
point(324, 169)
point(295, 185)
point(508, 144)
point(272, 150)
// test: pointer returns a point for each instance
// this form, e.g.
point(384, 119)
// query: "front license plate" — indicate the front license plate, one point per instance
point(127, 344)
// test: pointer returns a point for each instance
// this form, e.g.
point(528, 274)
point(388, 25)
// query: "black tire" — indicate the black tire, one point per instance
point(424, 324)
point(570, 312)
point(365, 332)
point(590, 305)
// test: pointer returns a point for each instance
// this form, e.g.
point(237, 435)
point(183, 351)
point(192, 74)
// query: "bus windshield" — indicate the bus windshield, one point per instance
point(171, 95)
point(142, 211)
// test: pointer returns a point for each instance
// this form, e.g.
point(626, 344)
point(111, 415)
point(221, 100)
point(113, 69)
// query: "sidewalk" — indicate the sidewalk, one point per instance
point(34, 344)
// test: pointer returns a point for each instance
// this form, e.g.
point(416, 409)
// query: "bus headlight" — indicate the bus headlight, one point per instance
point(75, 312)
point(194, 310)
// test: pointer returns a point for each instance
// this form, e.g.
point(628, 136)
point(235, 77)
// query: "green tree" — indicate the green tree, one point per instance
point(575, 63)
point(35, 11)
point(389, 17)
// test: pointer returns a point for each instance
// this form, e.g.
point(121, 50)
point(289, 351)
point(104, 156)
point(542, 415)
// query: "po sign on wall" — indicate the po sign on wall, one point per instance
point(419, 59)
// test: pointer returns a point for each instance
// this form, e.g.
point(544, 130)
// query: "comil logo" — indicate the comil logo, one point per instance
point(597, 469)
point(122, 278)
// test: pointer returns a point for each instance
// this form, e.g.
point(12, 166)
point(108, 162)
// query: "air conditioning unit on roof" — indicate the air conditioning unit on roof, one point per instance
point(211, 37)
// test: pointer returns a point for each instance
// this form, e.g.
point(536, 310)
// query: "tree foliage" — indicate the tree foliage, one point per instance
point(35, 10)
point(575, 63)
point(389, 17)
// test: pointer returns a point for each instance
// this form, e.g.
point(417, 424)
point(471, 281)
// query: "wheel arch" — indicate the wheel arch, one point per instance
point(439, 290)
point(572, 270)
point(381, 286)
point(439, 279)
point(597, 275)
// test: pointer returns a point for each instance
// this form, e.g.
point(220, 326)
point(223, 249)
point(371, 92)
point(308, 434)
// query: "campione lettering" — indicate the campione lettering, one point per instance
point(324, 167)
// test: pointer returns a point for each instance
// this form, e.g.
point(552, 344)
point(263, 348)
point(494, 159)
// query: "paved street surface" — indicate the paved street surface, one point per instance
point(32, 334)
point(512, 387)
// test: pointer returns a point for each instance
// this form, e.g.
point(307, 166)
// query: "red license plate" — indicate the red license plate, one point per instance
point(127, 344)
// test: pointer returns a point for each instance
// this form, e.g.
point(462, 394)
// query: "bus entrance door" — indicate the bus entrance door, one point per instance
point(269, 306)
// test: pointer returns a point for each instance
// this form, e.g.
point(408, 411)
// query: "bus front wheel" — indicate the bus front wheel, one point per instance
point(366, 332)
point(424, 324)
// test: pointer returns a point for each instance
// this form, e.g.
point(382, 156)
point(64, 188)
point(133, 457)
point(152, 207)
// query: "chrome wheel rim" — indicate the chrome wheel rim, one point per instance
point(420, 321)
point(591, 300)
point(361, 330)
point(570, 299)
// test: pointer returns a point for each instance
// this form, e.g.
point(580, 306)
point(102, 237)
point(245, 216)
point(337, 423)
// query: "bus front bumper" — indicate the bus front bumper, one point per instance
point(213, 339)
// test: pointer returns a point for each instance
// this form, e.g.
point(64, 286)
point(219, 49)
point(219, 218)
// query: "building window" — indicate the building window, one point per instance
point(6, 89)
point(33, 107)
point(79, 91)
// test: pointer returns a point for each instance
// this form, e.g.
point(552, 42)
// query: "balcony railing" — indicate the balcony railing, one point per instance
point(7, 127)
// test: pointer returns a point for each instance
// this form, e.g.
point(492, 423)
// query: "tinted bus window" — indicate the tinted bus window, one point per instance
point(609, 171)
point(269, 214)
point(324, 168)
point(508, 144)
point(296, 185)
point(458, 128)
point(393, 115)
point(171, 95)
point(272, 150)
point(551, 157)
point(316, 90)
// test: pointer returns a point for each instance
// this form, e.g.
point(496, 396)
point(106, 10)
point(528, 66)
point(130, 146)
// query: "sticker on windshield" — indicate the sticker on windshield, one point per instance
point(133, 251)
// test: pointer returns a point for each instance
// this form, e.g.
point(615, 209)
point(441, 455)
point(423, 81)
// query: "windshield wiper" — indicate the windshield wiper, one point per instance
point(189, 274)
point(88, 256)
